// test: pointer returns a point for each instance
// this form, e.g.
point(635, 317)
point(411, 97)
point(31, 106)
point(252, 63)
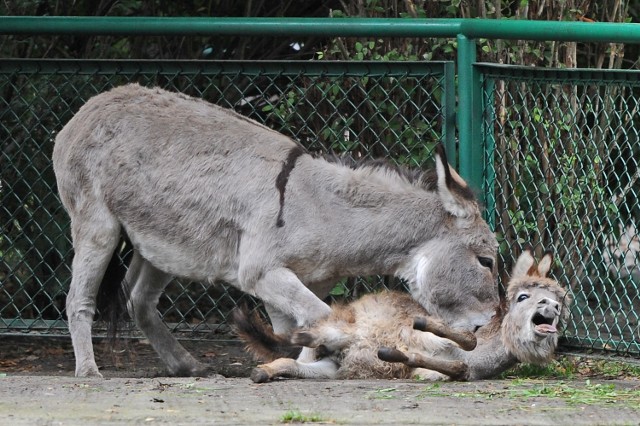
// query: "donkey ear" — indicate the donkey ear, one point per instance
point(457, 198)
point(545, 264)
point(523, 265)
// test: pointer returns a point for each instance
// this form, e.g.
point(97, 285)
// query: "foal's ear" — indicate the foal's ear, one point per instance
point(545, 264)
point(523, 265)
point(457, 198)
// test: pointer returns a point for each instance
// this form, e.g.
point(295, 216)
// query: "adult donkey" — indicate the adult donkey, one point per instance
point(205, 193)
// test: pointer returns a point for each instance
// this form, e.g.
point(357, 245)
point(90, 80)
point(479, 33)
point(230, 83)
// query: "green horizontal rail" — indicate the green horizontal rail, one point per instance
point(585, 75)
point(294, 68)
point(329, 27)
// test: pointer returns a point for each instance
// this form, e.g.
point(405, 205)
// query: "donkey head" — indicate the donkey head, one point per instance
point(453, 276)
point(535, 304)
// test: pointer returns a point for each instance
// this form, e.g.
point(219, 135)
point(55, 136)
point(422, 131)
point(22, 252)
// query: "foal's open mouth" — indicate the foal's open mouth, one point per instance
point(543, 325)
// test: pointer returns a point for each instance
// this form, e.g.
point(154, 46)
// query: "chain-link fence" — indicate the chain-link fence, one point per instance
point(561, 169)
point(563, 154)
point(394, 110)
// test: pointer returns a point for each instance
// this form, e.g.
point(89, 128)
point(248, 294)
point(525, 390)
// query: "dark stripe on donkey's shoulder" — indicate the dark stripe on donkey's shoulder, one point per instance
point(283, 178)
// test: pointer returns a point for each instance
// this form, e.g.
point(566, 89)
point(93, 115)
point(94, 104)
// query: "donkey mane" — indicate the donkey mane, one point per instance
point(424, 179)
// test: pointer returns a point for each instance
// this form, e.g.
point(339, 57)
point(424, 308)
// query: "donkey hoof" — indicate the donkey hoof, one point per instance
point(88, 372)
point(258, 375)
point(391, 355)
point(96, 374)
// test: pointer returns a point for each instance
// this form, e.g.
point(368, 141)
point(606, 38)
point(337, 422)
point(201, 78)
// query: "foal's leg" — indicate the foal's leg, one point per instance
point(148, 283)
point(287, 367)
point(333, 337)
point(95, 236)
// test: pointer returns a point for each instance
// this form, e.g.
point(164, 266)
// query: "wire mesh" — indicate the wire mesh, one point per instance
point(395, 110)
point(561, 174)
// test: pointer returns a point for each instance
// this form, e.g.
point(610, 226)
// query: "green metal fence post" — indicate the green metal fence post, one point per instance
point(469, 114)
point(489, 146)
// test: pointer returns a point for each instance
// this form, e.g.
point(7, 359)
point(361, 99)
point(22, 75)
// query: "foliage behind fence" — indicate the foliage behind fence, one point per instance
point(563, 150)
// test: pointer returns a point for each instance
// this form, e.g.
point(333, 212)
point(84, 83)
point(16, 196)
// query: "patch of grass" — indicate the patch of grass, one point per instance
point(572, 367)
point(295, 416)
point(608, 369)
point(561, 368)
point(586, 394)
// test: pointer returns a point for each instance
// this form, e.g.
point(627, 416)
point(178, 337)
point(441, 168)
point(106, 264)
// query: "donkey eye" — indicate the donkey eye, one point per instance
point(522, 297)
point(487, 262)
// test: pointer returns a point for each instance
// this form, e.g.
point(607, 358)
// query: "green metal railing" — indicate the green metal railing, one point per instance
point(553, 152)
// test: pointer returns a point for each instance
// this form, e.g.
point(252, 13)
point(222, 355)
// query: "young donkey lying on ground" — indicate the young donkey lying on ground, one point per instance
point(357, 339)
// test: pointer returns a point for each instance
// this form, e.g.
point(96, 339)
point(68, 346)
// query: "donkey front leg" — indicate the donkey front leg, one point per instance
point(148, 284)
point(287, 297)
point(287, 367)
point(289, 303)
point(284, 323)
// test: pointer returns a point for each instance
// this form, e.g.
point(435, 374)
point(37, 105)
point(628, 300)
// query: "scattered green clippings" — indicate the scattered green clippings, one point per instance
point(587, 394)
point(295, 416)
point(386, 393)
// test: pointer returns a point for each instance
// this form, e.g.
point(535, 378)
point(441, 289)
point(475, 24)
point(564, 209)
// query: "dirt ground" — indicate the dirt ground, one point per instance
point(37, 387)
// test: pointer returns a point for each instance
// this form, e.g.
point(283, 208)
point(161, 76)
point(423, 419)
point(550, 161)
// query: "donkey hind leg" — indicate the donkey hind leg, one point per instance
point(147, 284)
point(94, 241)
point(287, 367)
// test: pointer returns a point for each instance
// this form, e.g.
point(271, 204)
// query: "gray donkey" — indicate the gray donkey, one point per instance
point(388, 335)
point(207, 194)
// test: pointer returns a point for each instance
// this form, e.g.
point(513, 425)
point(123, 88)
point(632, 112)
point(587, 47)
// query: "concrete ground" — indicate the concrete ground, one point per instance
point(58, 400)
point(37, 387)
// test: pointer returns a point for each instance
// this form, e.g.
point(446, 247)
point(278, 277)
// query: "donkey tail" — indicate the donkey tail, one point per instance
point(114, 291)
point(259, 338)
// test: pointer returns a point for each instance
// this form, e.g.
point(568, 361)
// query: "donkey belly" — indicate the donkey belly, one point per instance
point(210, 260)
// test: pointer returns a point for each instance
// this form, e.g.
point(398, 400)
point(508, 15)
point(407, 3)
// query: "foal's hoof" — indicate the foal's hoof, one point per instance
point(420, 324)
point(258, 375)
point(391, 355)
